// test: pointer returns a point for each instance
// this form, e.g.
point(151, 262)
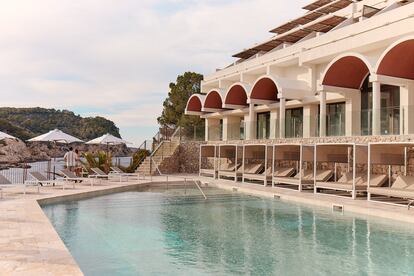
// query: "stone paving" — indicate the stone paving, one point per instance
point(29, 245)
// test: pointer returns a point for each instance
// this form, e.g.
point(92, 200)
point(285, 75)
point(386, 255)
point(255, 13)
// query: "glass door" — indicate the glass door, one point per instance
point(335, 120)
point(294, 123)
point(390, 110)
point(263, 125)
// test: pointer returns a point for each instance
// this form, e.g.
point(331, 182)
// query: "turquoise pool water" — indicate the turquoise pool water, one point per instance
point(158, 232)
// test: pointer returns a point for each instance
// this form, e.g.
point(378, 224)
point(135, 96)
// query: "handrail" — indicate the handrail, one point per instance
point(411, 203)
point(198, 186)
point(180, 177)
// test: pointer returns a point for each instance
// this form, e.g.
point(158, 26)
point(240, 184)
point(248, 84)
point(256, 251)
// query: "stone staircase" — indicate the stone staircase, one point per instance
point(164, 151)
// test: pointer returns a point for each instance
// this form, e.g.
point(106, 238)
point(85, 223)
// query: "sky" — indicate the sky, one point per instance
point(116, 58)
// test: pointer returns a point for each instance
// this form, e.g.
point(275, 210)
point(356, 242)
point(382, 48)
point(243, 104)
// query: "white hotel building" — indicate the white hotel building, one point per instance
point(343, 69)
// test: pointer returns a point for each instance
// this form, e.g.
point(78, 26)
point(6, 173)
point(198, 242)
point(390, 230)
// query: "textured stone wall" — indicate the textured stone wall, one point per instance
point(186, 160)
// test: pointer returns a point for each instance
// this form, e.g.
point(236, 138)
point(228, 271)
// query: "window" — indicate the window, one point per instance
point(335, 121)
point(294, 123)
point(263, 125)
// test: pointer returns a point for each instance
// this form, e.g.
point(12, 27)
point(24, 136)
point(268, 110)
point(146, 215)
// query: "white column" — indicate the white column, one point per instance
point(231, 128)
point(310, 112)
point(376, 108)
point(212, 129)
point(226, 129)
point(322, 114)
point(407, 109)
point(274, 124)
point(282, 114)
point(250, 124)
point(353, 114)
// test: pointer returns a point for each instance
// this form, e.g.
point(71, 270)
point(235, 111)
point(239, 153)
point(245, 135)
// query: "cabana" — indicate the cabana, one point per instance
point(257, 164)
point(208, 161)
point(393, 158)
point(230, 159)
point(350, 159)
point(293, 166)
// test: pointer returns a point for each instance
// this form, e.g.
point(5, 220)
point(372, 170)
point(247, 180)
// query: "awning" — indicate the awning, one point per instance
point(324, 24)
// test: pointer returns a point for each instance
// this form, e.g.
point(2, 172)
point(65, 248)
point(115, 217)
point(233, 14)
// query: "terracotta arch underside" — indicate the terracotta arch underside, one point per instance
point(236, 96)
point(346, 72)
point(399, 61)
point(213, 100)
point(194, 105)
point(264, 89)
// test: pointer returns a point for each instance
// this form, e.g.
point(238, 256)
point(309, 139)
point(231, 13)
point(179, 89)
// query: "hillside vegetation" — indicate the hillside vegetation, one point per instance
point(26, 123)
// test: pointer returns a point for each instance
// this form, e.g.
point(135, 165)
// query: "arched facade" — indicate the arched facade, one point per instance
point(264, 89)
point(236, 95)
point(213, 100)
point(398, 60)
point(194, 104)
point(347, 71)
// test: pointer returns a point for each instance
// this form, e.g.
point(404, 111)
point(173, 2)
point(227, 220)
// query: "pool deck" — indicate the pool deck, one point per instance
point(29, 245)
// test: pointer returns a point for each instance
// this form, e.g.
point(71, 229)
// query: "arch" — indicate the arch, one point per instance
point(194, 104)
point(348, 71)
point(236, 95)
point(213, 100)
point(398, 60)
point(264, 89)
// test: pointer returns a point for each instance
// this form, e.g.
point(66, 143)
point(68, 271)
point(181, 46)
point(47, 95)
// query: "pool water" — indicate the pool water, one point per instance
point(160, 232)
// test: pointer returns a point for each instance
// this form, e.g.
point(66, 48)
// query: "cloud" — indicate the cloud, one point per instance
point(118, 57)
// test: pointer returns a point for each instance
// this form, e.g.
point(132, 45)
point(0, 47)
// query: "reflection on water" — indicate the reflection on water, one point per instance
point(156, 233)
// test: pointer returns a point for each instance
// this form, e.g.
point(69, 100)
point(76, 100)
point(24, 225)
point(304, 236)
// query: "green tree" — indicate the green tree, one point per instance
point(174, 105)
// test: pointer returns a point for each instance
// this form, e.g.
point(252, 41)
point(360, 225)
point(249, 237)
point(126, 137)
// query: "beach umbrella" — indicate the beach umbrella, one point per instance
point(4, 135)
point(56, 136)
point(108, 139)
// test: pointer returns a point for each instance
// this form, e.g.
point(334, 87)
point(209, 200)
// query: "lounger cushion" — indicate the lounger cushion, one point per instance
point(404, 182)
point(393, 192)
point(378, 180)
point(253, 168)
point(283, 172)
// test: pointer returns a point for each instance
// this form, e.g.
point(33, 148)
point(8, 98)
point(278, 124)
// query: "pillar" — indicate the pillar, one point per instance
point(322, 114)
point(407, 109)
point(376, 108)
point(231, 128)
point(282, 114)
point(353, 114)
point(212, 129)
point(250, 120)
point(310, 112)
point(274, 125)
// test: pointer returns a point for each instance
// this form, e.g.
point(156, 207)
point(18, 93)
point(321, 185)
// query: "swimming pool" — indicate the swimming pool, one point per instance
point(163, 232)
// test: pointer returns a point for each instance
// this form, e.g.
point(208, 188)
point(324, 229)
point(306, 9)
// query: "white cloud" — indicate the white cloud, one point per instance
point(119, 56)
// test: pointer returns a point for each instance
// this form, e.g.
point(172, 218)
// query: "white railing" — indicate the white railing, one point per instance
point(195, 181)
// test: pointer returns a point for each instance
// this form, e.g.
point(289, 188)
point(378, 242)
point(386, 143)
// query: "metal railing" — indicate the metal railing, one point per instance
point(195, 181)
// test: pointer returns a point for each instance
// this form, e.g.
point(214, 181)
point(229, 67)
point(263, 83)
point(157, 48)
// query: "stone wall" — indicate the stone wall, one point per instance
point(341, 168)
point(188, 154)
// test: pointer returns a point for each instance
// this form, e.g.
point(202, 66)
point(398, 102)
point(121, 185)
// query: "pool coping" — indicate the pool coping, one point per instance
point(30, 244)
point(347, 205)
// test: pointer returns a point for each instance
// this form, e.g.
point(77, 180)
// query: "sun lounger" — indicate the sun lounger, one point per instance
point(208, 172)
point(118, 172)
point(99, 175)
point(345, 183)
point(284, 172)
point(403, 187)
point(38, 179)
point(307, 177)
point(72, 177)
point(252, 172)
point(229, 170)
